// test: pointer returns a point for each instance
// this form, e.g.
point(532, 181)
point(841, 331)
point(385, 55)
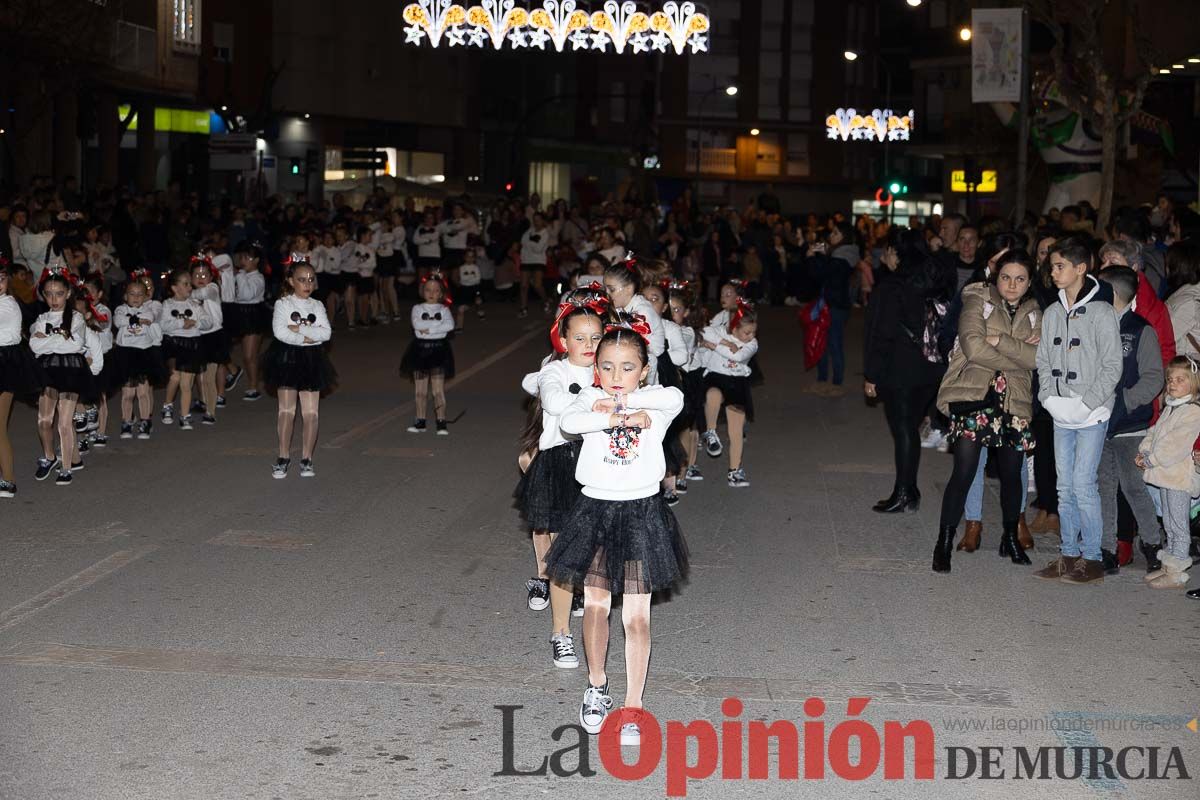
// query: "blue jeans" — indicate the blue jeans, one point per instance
point(835, 349)
point(974, 508)
point(1077, 459)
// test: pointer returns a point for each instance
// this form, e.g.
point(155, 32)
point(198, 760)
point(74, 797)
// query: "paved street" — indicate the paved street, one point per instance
point(180, 625)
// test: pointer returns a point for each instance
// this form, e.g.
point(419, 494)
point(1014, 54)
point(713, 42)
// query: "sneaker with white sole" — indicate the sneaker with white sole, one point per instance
point(681, 486)
point(168, 414)
point(185, 422)
point(737, 478)
point(232, 381)
point(77, 466)
point(79, 420)
point(418, 426)
point(45, 467)
point(693, 474)
point(8, 489)
point(220, 401)
point(64, 478)
point(671, 498)
point(631, 735)
point(712, 443)
point(250, 395)
point(577, 605)
point(279, 470)
point(143, 429)
point(306, 468)
point(442, 430)
point(126, 430)
point(595, 707)
point(539, 593)
point(563, 648)
point(99, 440)
point(208, 419)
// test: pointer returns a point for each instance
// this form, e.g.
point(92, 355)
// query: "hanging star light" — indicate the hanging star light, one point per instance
point(618, 23)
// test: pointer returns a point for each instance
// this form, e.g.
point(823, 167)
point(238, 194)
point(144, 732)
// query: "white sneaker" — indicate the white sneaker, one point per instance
point(539, 593)
point(595, 707)
point(712, 443)
point(631, 735)
point(306, 468)
point(563, 647)
point(279, 469)
point(693, 473)
point(737, 478)
point(168, 413)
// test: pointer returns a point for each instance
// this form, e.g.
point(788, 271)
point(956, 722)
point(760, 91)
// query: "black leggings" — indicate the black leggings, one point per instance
point(1045, 474)
point(904, 409)
point(966, 463)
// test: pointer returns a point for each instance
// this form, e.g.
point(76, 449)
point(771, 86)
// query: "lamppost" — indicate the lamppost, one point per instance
point(730, 91)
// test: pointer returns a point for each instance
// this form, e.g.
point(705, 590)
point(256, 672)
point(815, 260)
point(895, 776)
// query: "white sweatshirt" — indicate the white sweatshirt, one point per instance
point(56, 342)
point(534, 244)
point(383, 242)
point(469, 275)
point(106, 330)
point(455, 232)
point(309, 314)
point(432, 320)
point(658, 342)
point(427, 241)
point(211, 297)
point(558, 384)
point(177, 312)
point(130, 332)
point(94, 351)
point(10, 320)
point(364, 260)
point(224, 265)
point(677, 347)
point(695, 357)
point(346, 260)
point(249, 288)
point(725, 361)
point(621, 464)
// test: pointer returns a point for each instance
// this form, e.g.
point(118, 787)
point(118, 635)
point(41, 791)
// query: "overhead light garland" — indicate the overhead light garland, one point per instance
point(881, 124)
point(558, 23)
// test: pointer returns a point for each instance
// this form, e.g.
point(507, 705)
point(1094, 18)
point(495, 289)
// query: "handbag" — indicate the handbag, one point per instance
point(816, 320)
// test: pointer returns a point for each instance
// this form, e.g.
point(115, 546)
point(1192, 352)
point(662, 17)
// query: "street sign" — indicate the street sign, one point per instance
point(958, 182)
point(364, 158)
point(231, 151)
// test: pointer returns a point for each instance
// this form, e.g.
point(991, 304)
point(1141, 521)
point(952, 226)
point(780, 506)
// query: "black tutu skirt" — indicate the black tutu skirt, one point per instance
point(20, 372)
point(216, 346)
point(247, 319)
point(693, 399)
point(734, 390)
point(188, 352)
point(668, 373)
point(428, 355)
point(548, 491)
point(756, 373)
point(134, 365)
point(68, 373)
point(624, 546)
point(303, 368)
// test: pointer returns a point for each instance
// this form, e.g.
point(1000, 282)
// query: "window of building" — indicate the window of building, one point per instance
point(186, 24)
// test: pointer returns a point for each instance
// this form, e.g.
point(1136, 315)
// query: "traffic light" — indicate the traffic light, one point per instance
point(295, 166)
point(508, 187)
point(897, 187)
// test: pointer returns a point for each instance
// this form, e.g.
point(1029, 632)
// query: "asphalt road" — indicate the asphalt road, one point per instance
point(180, 625)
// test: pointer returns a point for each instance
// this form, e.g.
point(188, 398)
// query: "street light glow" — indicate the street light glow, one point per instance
point(307, 115)
point(1194, 60)
point(914, 3)
point(964, 33)
point(850, 55)
point(731, 90)
point(1177, 66)
point(754, 131)
point(224, 108)
point(1164, 71)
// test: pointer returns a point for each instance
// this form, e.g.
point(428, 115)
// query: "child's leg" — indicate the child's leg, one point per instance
point(66, 427)
point(387, 291)
point(309, 404)
point(208, 388)
point(421, 384)
point(331, 306)
point(102, 414)
point(437, 384)
point(185, 393)
point(1177, 507)
point(127, 395)
point(351, 301)
point(6, 451)
point(250, 358)
point(541, 546)
point(735, 419)
point(172, 387)
point(285, 420)
point(222, 374)
point(145, 399)
point(712, 407)
point(460, 314)
point(596, 605)
point(690, 440)
point(635, 616)
point(45, 421)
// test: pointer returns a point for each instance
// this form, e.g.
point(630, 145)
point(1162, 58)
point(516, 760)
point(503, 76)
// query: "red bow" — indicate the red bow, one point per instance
point(735, 319)
point(437, 276)
point(139, 274)
point(597, 303)
point(635, 323)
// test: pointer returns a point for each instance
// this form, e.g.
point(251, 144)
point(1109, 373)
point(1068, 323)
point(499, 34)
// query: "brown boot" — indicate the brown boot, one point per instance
point(1023, 535)
point(1057, 568)
point(1051, 526)
point(970, 540)
point(1085, 571)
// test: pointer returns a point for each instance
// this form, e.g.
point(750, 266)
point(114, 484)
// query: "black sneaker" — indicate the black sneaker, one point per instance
point(144, 428)
point(681, 486)
point(63, 479)
point(1109, 560)
point(442, 430)
point(1192, 593)
point(539, 593)
point(8, 489)
point(77, 466)
point(562, 648)
point(418, 426)
point(251, 395)
point(208, 419)
point(737, 478)
point(126, 430)
point(168, 414)
point(279, 470)
point(84, 445)
point(577, 605)
point(232, 381)
point(712, 443)
point(45, 467)
point(185, 422)
point(307, 470)
point(198, 407)
point(220, 401)
point(671, 498)
point(93, 418)
point(80, 421)
point(595, 707)
point(99, 440)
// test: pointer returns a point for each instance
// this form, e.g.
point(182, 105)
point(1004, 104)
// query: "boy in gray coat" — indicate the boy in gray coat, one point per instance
point(1079, 364)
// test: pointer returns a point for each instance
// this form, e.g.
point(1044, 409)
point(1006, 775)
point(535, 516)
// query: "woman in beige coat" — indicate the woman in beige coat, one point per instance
point(988, 395)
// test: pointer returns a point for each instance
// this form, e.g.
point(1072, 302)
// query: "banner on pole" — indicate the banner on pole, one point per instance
point(996, 55)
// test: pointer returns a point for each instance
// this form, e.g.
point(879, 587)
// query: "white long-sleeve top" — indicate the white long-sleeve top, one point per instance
point(694, 361)
point(534, 244)
point(658, 341)
point(331, 260)
point(455, 232)
point(105, 331)
point(135, 327)
point(94, 351)
point(177, 312)
point(347, 263)
point(211, 297)
point(364, 260)
point(432, 320)
point(10, 320)
point(428, 242)
point(557, 384)
point(677, 347)
point(620, 464)
point(249, 288)
point(383, 241)
point(308, 313)
point(724, 360)
point(56, 342)
point(228, 281)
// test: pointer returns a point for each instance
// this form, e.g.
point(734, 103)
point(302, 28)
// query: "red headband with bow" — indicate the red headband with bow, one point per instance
point(72, 280)
point(598, 303)
point(634, 323)
point(202, 260)
point(437, 276)
point(735, 319)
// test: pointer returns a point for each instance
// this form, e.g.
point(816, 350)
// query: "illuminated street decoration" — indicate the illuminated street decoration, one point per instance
point(880, 125)
point(617, 24)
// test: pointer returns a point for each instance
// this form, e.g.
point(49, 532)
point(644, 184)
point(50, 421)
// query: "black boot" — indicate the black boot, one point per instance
point(1010, 547)
point(908, 499)
point(943, 548)
point(1150, 553)
point(887, 501)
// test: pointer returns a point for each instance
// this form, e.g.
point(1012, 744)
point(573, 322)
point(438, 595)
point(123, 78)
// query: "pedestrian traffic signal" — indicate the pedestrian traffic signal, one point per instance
point(295, 166)
point(508, 187)
point(897, 187)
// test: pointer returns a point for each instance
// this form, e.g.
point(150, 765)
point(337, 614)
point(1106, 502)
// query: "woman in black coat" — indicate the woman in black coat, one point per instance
point(899, 367)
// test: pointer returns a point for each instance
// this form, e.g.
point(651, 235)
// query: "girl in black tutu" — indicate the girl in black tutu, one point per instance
point(429, 361)
point(621, 538)
point(624, 281)
point(184, 320)
point(296, 365)
point(215, 341)
point(670, 364)
point(249, 318)
point(548, 490)
point(137, 359)
point(99, 319)
point(727, 383)
point(686, 313)
point(58, 338)
point(20, 376)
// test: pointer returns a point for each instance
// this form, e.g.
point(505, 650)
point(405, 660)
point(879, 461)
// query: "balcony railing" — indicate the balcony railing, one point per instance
point(714, 161)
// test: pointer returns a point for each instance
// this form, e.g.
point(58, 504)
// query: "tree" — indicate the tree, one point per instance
point(1095, 84)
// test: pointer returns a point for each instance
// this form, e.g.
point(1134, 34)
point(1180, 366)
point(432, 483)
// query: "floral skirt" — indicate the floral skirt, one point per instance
point(991, 426)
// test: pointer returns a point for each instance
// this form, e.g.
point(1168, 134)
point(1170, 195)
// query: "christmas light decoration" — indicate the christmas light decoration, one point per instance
point(619, 24)
point(880, 125)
